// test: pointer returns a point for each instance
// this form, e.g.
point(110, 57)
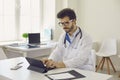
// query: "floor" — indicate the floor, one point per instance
point(115, 74)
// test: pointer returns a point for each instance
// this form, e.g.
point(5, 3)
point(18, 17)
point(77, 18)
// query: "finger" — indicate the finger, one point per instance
point(50, 63)
point(47, 64)
point(53, 65)
point(44, 61)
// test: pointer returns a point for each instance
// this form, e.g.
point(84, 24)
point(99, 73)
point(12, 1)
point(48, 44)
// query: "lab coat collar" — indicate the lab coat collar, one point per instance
point(73, 35)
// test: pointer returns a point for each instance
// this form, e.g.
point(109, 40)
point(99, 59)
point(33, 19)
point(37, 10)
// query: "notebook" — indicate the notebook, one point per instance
point(37, 65)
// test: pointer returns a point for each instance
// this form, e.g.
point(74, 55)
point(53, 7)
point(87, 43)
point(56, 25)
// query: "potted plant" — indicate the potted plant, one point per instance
point(25, 35)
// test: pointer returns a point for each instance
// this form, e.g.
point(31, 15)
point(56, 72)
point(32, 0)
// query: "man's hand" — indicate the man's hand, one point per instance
point(59, 65)
point(52, 64)
point(44, 60)
point(49, 63)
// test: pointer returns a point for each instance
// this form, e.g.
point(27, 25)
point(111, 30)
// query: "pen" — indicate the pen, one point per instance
point(19, 63)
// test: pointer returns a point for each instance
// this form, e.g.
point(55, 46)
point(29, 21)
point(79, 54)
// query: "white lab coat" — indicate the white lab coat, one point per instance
point(75, 55)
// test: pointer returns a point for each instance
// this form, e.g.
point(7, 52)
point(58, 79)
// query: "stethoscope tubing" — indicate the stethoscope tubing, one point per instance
point(80, 32)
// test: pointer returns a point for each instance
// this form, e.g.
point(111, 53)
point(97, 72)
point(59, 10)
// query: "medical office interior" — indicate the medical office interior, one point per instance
point(99, 18)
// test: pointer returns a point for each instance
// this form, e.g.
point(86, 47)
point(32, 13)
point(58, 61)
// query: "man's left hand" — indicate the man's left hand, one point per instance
point(59, 65)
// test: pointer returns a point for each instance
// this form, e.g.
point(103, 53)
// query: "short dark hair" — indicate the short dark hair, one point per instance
point(67, 12)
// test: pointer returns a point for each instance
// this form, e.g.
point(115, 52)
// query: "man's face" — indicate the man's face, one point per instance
point(66, 24)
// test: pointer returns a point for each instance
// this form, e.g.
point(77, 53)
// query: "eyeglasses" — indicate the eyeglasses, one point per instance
point(65, 23)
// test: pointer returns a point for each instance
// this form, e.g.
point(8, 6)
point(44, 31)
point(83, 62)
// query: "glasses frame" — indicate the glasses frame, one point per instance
point(65, 23)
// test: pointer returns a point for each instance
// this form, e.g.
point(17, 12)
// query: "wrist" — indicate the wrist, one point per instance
point(60, 65)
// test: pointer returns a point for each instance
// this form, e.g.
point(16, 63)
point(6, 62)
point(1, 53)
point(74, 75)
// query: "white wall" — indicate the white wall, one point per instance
point(100, 18)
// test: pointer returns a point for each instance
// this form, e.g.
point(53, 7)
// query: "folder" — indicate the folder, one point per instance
point(67, 75)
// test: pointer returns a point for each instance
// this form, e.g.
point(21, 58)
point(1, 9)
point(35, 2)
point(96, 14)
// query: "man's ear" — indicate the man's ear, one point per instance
point(74, 20)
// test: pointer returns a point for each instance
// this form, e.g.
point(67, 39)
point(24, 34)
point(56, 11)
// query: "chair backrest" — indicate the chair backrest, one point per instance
point(108, 46)
point(2, 54)
point(93, 56)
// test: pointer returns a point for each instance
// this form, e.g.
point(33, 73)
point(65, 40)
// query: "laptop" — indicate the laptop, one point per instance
point(34, 38)
point(37, 65)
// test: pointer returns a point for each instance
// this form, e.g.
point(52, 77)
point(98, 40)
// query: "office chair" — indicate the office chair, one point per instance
point(2, 54)
point(107, 49)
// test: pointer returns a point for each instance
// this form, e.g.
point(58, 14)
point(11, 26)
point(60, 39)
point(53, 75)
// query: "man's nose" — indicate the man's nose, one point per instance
point(64, 25)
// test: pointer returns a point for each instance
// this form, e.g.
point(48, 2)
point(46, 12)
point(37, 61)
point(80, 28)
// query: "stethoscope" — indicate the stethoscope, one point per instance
point(66, 36)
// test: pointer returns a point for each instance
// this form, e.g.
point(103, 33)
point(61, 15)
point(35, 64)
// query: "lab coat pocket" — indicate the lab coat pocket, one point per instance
point(64, 49)
point(73, 53)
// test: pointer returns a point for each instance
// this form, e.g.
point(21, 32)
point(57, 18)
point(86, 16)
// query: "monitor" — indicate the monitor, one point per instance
point(34, 38)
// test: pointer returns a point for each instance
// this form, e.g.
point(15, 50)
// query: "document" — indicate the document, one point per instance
point(61, 76)
point(68, 75)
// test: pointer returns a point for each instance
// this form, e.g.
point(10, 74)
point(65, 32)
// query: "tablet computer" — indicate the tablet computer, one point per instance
point(37, 65)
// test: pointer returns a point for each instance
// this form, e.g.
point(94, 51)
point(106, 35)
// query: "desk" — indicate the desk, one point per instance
point(25, 74)
point(24, 50)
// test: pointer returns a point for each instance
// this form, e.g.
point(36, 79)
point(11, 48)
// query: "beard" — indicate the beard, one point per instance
point(69, 29)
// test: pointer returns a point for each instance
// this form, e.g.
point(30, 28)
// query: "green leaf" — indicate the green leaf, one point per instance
point(25, 35)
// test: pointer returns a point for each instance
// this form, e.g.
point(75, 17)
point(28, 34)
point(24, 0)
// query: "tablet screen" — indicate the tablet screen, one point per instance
point(35, 62)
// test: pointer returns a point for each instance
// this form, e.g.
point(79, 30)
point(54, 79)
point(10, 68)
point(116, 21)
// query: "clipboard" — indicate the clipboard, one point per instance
point(69, 75)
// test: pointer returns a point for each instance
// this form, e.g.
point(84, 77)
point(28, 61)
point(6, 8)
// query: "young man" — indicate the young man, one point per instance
point(74, 46)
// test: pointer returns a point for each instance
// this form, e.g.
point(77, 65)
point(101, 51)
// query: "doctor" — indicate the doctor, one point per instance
point(74, 46)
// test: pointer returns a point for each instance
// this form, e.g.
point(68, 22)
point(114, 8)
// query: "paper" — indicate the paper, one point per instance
point(67, 75)
point(61, 76)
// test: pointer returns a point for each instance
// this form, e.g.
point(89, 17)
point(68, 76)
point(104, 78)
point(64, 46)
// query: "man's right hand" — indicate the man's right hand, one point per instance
point(44, 60)
point(49, 63)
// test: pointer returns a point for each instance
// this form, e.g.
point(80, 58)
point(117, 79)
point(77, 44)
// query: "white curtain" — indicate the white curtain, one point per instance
point(7, 20)
point(22, 16)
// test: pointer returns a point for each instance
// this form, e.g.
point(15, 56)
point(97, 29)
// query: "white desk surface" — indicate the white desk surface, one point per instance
point(25, 74)
point(23, 47)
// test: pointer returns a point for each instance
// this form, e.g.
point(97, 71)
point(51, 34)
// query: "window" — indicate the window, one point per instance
point(22, 16)
point(7, 20)
point(48, 19)
point(49, 13)
point(30, 16)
